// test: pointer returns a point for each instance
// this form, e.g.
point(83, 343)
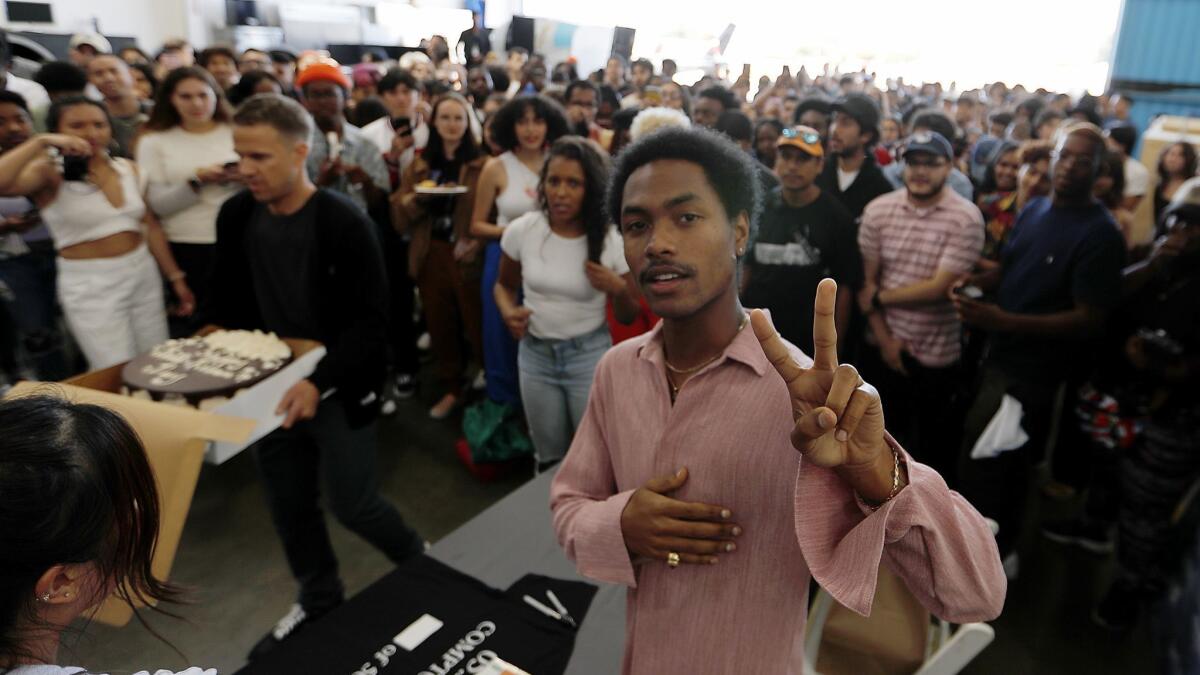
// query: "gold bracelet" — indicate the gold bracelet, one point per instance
point(895, 478)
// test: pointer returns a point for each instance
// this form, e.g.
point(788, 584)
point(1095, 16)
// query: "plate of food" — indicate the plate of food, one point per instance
point(428, 187)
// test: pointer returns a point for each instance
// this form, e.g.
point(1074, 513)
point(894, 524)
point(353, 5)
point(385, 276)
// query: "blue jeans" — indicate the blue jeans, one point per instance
point(499, 348)
point(32, 279)
point(556, 376)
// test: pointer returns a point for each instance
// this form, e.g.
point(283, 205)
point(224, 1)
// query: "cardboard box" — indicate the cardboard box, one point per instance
point(178, 439)
point(889, 642)
point(1163, 131)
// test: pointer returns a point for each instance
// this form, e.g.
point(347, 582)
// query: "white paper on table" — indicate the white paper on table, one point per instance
point(1003, 433)
point(417, 632)
point(259, 403)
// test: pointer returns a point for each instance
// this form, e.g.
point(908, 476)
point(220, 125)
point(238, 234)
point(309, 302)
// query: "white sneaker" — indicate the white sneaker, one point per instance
point(387, 408)
point(480, 382)
point(424, 342)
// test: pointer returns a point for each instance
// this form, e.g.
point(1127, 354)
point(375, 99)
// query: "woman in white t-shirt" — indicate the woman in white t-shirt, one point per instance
point(189, 169)
point(568, 260)
point(79, 518)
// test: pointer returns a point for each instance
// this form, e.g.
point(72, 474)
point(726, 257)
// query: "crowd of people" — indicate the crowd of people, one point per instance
point(991, 283)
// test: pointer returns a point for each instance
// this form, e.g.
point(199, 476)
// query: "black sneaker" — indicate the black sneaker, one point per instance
point(1087, 535)
point(287, 627)
point(403, 386)
point(1118, 609)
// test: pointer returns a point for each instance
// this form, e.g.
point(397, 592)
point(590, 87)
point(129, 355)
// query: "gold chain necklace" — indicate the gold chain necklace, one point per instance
point(689, 371)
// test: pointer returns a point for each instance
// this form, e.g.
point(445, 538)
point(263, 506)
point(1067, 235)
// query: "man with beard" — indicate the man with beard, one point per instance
point(851, 175)
point(583, 100)
point(479, 88)
point(916, 243)
point(718, 469)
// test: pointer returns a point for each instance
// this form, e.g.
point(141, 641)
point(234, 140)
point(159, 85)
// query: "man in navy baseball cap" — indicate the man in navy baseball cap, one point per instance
point(931, 155)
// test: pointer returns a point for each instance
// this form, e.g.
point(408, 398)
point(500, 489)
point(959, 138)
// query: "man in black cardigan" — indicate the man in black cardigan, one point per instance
point(304, 262)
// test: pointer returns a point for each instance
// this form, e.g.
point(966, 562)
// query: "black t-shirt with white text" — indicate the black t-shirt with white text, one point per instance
point(796, 248)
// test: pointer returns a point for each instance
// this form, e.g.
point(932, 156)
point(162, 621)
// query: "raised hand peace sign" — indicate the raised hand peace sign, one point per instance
point(839, 418)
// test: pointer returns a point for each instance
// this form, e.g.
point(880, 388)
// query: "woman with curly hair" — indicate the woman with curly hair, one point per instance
point(568, 261)
point(523, 128)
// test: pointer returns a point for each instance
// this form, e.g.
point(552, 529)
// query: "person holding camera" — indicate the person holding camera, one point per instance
point(186, 153)
point(1059, 276)
point(108, 243)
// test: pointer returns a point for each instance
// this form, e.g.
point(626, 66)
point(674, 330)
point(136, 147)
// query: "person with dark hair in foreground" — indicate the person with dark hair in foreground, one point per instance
point(79, 520)
point(770, 467)
point(304, 262)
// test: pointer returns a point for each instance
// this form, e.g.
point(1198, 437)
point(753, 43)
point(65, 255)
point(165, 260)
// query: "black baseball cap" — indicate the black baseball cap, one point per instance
point(931, 142)
point(861, 108)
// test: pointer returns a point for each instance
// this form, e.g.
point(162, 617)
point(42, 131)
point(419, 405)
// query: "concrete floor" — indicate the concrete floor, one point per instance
point(232, 561)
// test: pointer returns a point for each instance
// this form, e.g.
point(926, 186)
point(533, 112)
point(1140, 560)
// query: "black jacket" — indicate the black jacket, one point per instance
point(869, 184)
point(349, 296)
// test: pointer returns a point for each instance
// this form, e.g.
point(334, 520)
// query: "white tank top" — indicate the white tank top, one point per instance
point(520, 195)
point(81, 213)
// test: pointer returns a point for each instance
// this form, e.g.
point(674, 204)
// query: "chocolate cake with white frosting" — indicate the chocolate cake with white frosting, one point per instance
point(212, 366)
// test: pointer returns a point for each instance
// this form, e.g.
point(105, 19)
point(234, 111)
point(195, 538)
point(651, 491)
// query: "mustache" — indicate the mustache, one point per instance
point(647, 275)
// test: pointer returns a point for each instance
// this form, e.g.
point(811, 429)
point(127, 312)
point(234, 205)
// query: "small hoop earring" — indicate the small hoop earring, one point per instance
point(45, 597)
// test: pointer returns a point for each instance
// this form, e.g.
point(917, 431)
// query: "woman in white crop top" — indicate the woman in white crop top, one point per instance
point(108, 243)
point(568, 260)
point(524, 127)
point(189, 167)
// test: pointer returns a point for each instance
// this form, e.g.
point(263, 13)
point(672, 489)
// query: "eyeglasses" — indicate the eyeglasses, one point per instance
point(805, 136)
point(924, 163)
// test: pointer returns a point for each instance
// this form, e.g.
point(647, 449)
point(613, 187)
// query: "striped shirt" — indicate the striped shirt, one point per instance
point(911, 245)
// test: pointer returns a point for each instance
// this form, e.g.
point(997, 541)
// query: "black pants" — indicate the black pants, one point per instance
point(998, 486)
point(1154, 476)
point(324, 452)
point(920, 409)
point(402, 333)
point(196, 260)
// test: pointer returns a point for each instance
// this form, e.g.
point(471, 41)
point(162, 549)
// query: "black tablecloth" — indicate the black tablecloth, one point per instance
point(510, 545)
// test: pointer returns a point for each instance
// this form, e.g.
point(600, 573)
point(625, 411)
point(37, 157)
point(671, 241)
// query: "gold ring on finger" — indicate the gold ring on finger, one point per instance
point(672, 560)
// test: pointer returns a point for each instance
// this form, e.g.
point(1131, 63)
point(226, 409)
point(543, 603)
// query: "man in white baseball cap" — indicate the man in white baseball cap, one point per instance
point(83, 47)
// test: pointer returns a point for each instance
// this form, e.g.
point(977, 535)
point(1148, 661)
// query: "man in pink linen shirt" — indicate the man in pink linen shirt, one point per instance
point(718, 469)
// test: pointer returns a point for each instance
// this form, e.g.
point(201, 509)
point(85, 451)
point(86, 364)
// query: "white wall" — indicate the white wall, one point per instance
point(151, 22)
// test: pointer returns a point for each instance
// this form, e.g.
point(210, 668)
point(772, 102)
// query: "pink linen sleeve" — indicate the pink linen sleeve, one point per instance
point(584, 500)
point(930, 536)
